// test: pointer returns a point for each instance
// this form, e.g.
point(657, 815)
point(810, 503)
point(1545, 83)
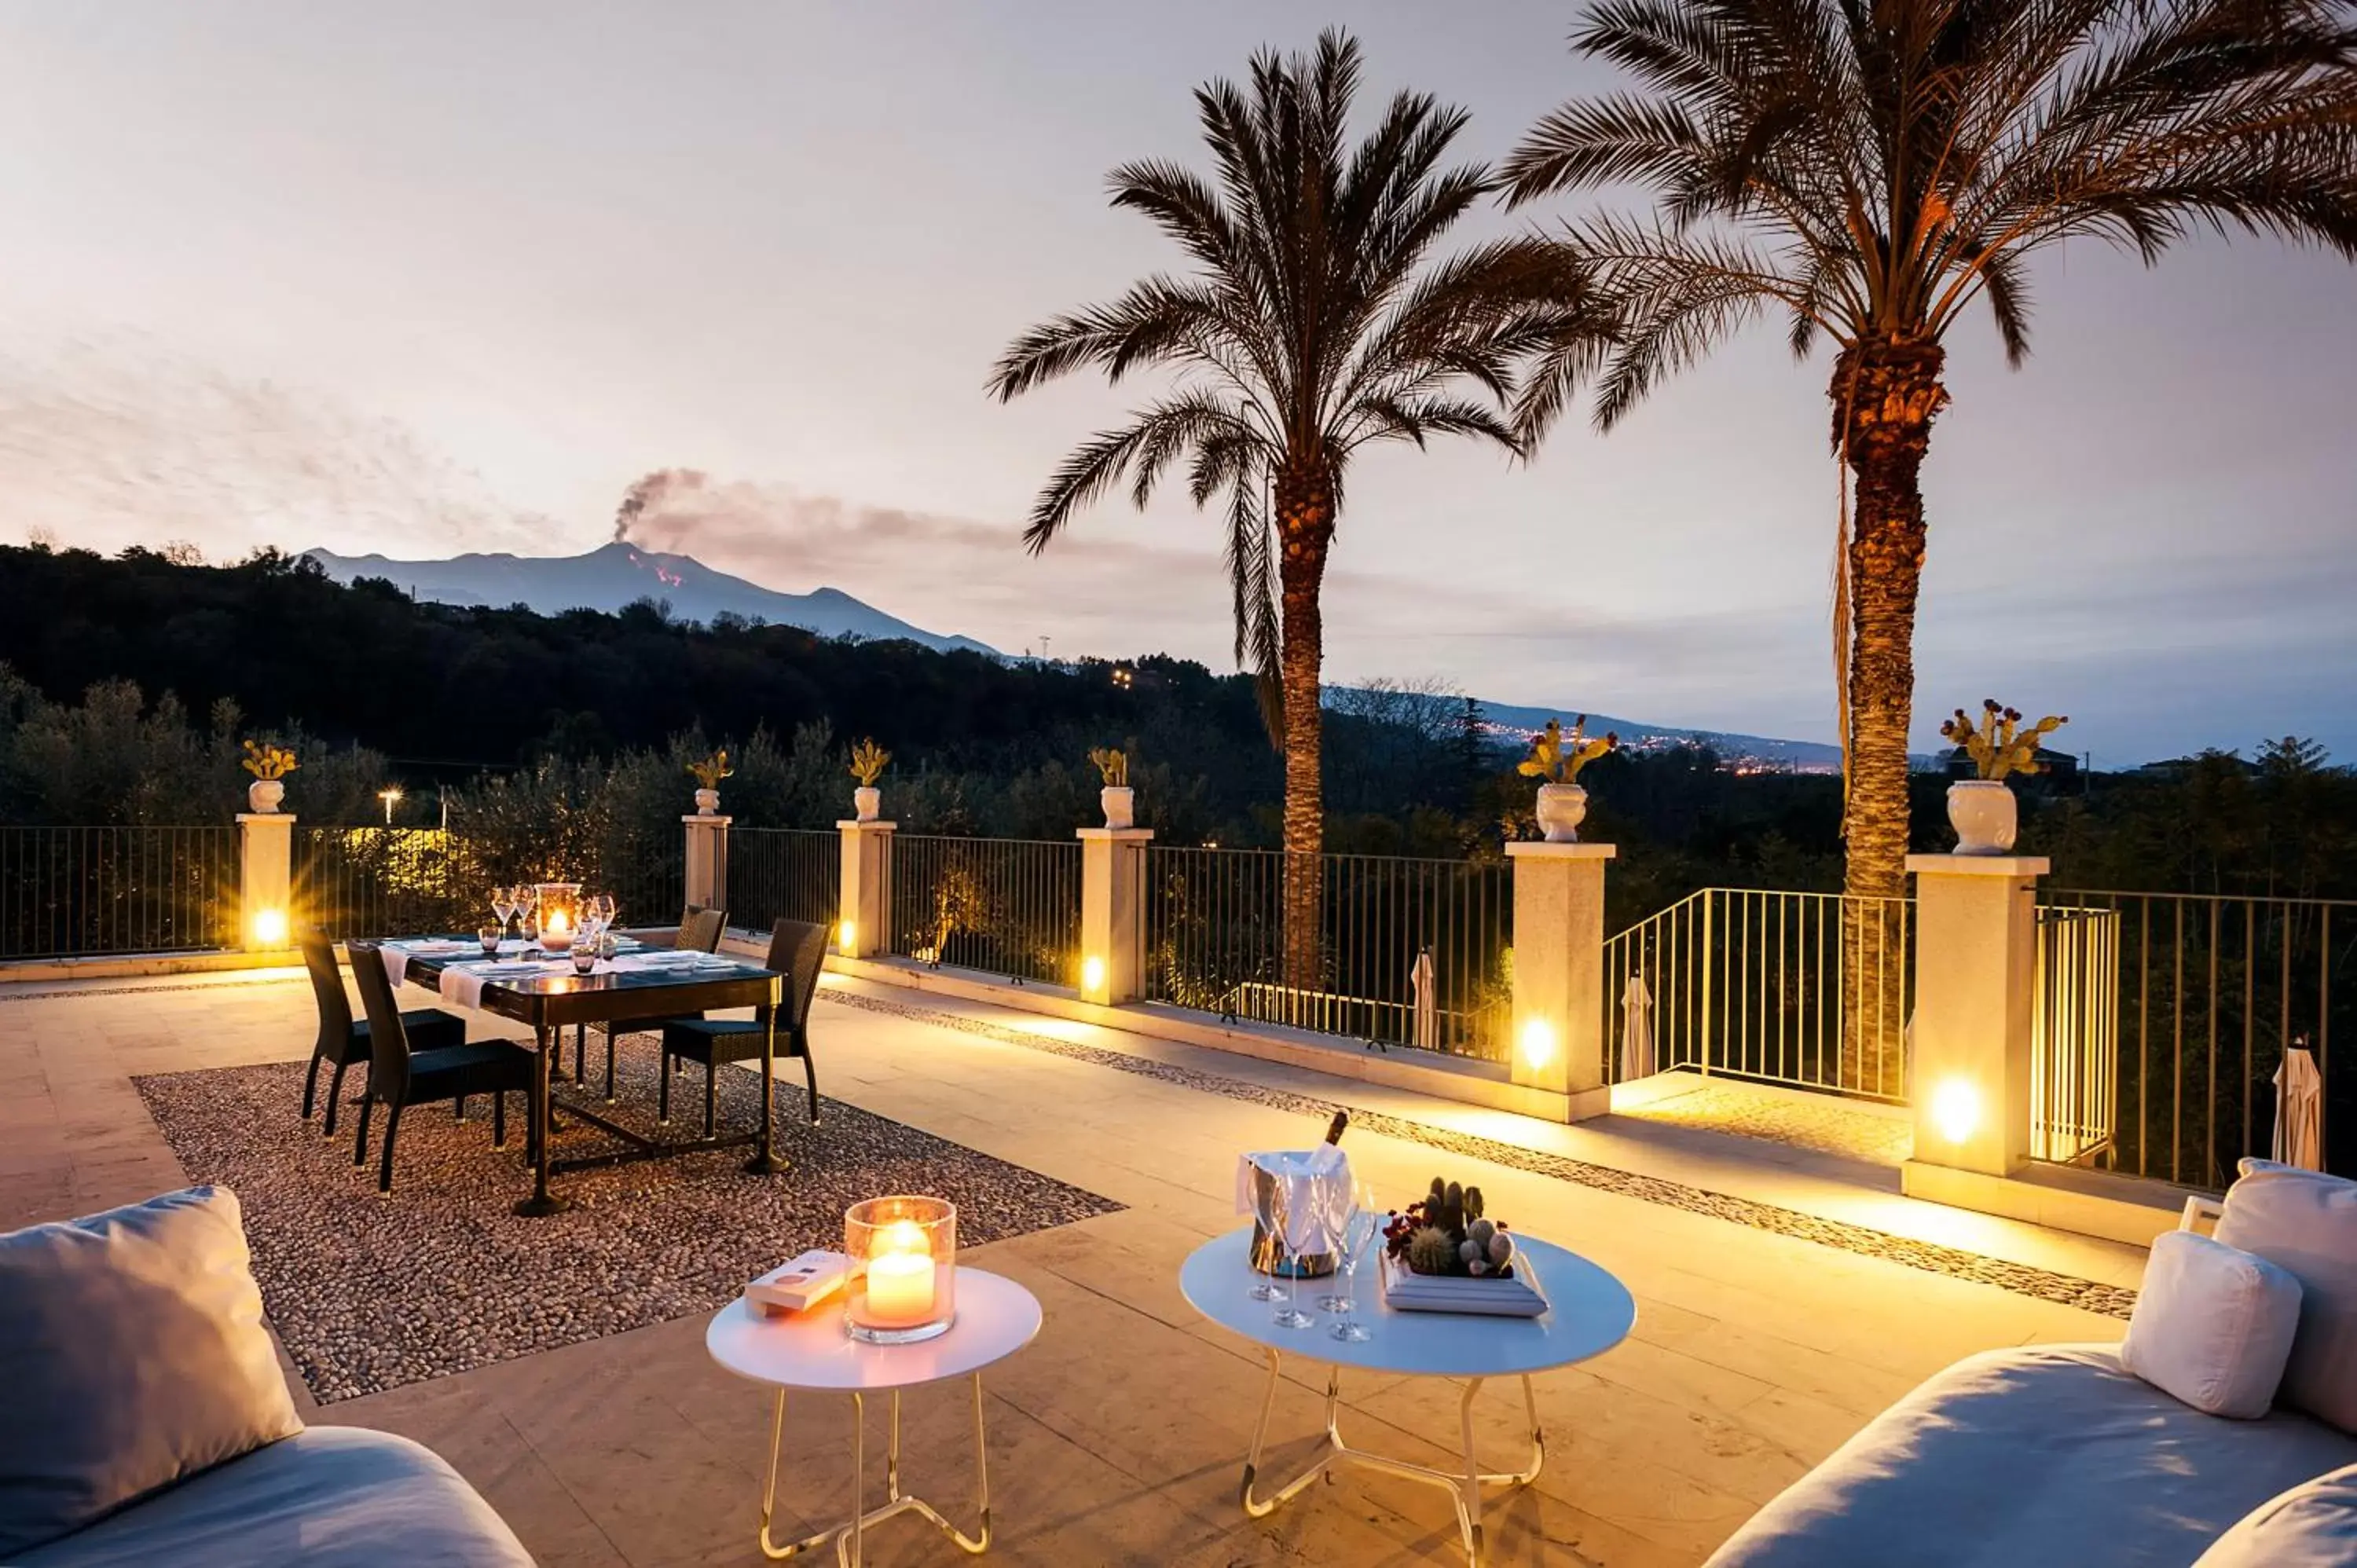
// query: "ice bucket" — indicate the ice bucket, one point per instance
point(1305, 1194)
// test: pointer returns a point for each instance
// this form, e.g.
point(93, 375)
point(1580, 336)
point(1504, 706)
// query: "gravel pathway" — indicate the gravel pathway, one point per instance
point(369, 1291)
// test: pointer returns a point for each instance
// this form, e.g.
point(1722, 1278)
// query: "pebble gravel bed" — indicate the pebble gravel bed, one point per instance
point(2023, 1279)
point(369, 1292)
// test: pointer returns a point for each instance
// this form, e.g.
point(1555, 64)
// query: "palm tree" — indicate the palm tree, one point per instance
point(1870, 168)
point(1308, 326)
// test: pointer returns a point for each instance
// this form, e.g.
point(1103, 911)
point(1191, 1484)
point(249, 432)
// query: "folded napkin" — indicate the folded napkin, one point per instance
point(462, 984)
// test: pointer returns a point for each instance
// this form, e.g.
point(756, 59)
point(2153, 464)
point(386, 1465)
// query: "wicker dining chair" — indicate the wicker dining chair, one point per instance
point(699, 931)
point(343, 1040)
point(400, 1076)
point(798, 952)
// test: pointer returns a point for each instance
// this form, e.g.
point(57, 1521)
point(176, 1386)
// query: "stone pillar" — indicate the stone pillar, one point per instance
point(265, 881)
point(708, 861)
point(1558, 1042)
point(865, 921)
point(1975, 983)
point(1112, 913)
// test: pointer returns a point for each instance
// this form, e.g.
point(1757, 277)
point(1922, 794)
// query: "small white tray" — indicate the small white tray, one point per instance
point(1404, 1290)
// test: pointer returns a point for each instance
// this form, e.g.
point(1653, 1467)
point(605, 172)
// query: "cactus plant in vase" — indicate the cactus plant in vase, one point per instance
point(868, 763)
point(1116, 798)
point(1555, 760)
point(270, 765)
point(708, 775)
point(1981, 809)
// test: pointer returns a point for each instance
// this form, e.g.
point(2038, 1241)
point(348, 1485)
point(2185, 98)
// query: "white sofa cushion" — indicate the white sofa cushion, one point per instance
point(2212, 1325)
point(2050, 1457)
point(2310, 1526)
point(2305, 1223)
point(131, 1356)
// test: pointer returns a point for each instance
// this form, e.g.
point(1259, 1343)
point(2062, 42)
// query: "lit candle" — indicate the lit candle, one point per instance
point(899, 1275)
point(558, 935)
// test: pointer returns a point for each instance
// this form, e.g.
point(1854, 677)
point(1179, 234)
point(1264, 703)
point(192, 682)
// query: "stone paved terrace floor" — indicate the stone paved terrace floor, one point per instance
point(1797, 1295)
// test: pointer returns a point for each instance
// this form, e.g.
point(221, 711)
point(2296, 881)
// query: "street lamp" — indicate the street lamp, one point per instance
point(391, 796)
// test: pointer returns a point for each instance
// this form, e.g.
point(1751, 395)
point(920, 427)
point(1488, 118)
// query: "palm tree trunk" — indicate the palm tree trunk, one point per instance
point(1884, 397)
point(1305, 526)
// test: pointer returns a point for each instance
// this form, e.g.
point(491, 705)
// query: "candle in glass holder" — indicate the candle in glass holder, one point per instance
point(901, 1276)
point(556, 936)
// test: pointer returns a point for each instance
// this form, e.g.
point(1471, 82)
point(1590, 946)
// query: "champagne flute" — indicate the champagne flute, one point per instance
point(1290, 1314)
point(1358, 1236)
point(1268, 1208)
point(503, 906)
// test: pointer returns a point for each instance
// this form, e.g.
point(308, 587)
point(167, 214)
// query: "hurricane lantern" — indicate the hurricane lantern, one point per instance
point(558, 913)
point(904, 1262)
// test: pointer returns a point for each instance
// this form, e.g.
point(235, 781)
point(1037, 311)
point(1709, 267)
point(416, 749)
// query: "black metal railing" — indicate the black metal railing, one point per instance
point(2074, 1034)
point(1407, 952)
point(2213, 989)
point(783, 874)
point(1808, 989)
point(385, 882)
point(1009, 906)
point(79, 892)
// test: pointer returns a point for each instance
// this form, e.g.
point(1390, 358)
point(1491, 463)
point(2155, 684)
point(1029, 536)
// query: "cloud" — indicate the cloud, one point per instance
point(110, 443)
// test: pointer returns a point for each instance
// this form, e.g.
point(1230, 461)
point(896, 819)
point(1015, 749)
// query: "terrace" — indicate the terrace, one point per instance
point(1752, 1192)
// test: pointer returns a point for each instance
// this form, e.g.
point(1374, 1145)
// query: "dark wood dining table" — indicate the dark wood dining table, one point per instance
point(550, 1001)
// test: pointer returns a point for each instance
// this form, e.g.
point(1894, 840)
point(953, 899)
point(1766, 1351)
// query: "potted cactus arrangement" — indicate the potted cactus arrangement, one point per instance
point(1555, 760)
point(1982, 810)
point(270, 765)
point(868, 763)
point(708, 775)
point(1119, 802)
point(1448, 1234)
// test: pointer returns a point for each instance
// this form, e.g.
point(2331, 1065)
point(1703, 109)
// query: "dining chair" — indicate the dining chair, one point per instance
point(798, 952)
point(699, 931)
point(400, 1076)
point(343, 1039)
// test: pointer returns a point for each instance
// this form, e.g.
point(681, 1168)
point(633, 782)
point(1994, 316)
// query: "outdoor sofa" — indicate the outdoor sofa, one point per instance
point(147, 1421)
point(2060, 1455)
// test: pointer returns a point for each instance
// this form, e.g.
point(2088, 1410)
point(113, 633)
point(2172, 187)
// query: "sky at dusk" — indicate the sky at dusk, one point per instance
point(431, 278)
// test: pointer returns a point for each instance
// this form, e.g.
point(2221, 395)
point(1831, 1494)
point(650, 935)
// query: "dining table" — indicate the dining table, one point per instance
point(641, 984)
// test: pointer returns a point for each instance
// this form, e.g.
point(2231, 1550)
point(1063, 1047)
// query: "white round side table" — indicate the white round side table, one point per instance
point(1588, 1312)
point(809, 1352)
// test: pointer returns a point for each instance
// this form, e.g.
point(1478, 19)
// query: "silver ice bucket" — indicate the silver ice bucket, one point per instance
point(1305, 1193)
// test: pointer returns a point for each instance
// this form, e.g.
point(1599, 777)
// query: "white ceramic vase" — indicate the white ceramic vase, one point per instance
point(1562, 808)
point(708, 802)
point(263, 794)
point(865, 801)
point(1120, 803)
point(1982, 812)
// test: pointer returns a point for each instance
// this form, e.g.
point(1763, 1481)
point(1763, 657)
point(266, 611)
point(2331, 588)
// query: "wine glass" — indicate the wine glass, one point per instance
point(1268, 1208)
point(503, 906)
point(1290, 1314)
point(1358, 1235)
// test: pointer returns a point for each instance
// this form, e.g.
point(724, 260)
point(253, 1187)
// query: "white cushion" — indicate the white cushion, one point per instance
point(2310, 1526)
point(2212, 1325)
point(2306, 1222)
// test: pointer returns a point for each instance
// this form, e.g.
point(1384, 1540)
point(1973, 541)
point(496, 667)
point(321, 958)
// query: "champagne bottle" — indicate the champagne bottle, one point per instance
point(1334, 1128)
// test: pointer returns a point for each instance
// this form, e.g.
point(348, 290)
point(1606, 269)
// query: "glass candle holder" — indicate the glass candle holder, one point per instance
point(903, 1254)
point(558, 912)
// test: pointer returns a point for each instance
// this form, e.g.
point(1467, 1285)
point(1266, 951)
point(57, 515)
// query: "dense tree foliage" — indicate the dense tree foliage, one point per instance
point(109, 662)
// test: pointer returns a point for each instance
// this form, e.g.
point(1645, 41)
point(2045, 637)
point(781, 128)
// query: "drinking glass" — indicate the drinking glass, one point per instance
point(1357, 1237)
point(1268, 1208)
point(489, 937)
point(585, 957)
point(503, 906)
point(1339, 1202)
point(1290, 1314)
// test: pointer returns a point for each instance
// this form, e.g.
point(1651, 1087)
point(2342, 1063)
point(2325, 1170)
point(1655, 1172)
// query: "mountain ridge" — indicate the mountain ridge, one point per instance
point(618, 574)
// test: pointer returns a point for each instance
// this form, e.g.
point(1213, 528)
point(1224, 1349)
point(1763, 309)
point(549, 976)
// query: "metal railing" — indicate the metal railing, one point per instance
point(2074, 1034)
point(2212, 989)
point(1808, 989)
point(384, 882)
point(75, 892)
point(379, 882)
point(1009, 906)
point(1408, 952)
point(783, 874)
